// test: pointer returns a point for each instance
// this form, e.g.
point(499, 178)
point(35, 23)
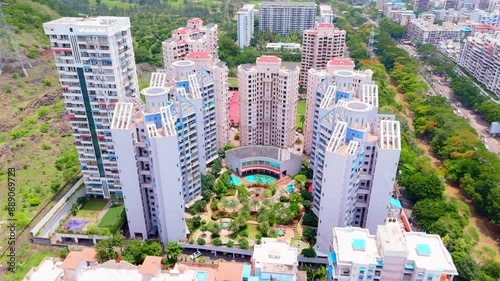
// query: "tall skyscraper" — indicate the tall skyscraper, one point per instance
point(219, 72)
point(283, 17)
point(354, 156)
point(195, 37)
point(162, 148)
point(245, 25)
point(268, 96)
point(95, 60)
point(319, 46)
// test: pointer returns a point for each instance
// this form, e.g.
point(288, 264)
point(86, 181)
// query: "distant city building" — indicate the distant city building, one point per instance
point(422, 32)
point(325, 14)
point(450, 49)
point(319, 46)
point(391, 254)
point(421, 5)
point(283, 17)
point(451, 4)
point(292, 47)
point(162, 148)
point(486, 18)
point(276, 260)
point(95, 60)
point(481, 58)
point(195, 37)
point(245, 25)
point(451, 15)
point(402, 17)
point(354, 151)
point(393, 6)
point(268, 95)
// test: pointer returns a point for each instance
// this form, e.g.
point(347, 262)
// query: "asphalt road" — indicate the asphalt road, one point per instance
point(441, 87)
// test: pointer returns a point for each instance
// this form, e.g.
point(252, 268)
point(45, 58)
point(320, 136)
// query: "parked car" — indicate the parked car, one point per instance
point(195, 255)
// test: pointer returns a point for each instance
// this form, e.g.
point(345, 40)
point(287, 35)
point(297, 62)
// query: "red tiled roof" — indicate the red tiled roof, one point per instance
point(73, 260)
point(268, 59)
point(340, 61)
point(182, 30)
point(198, 55)
point(323, 25)
point(234, 107)
point(196, 21)
point(150, 266)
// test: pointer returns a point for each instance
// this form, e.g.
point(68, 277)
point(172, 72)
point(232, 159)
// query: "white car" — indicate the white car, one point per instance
point(195, 255)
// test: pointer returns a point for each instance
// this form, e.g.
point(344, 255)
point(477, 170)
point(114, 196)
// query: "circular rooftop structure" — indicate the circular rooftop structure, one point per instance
point(154, 91)
point(343, 73)
point(358, 106)
point(183, 63)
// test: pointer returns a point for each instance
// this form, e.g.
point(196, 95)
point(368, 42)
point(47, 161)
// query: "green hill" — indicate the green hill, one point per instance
point(34, 134)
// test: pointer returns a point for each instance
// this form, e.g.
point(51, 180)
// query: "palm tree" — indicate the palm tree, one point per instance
point(216, 228)
point(241, 220)
point(264, 227)
point(254, 203)
point(302, 119)
point(223, 201)
point(234, 226)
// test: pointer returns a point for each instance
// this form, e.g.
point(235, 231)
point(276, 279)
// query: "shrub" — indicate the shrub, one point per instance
point(42, 112)
point(54, 186)
point(244, 233)
point(63, 253)
point(217, 242)
point(81, 200)
point(44, 127)
point(15, 75)
point(243, 243)
point(46, 146)
point(34, 201)
point(230, 244)
point(32, 53)
point(47, 82)
point(7, 88)
point(200, 241)
point(308, 253)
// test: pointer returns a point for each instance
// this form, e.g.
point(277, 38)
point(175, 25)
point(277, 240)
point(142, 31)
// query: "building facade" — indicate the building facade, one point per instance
point(95, 60)
point(195, 37)
point(354, 155)
point(219, 72)
point(423, 32)
point(480, 56)
point(283, 17)
point(245, 25)
point(268, 94)
point(319, 46)
point(391, 255)
point(162, 148)
point(325, 14)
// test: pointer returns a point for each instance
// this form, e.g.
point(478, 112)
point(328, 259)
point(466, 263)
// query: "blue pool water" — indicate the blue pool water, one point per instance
point(201, 275)
point(235, 180)
point(280, 232)
point(225, 224)
point(290, 187)
point(260, 178)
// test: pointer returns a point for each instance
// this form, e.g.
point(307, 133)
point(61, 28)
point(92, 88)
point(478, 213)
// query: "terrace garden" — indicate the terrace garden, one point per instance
point(239, 211)
point(93, 217)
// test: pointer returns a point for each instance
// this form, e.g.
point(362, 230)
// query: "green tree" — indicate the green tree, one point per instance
point(135, 251)
point(320, 274)
point(493, 205)
point(217, 242)
point(308, 253)
point(264, 228)
point(243, 243)
point(220, 188)
point(467, 268)
point(230, 243)
point(216, 166)
point(105, 249)
point(419, 186)
point(173, 251)
point(308, 233)
point(216, 229)
point(200, 241)
point(196, 221)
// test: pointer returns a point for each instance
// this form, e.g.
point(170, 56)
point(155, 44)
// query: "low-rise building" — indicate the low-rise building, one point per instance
point(391, 254)
point(292, 47)
point(485, 17)
point(325, 14)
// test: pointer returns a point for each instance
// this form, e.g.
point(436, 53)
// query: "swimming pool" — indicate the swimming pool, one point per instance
point(235, 180)
point(225, 224)
point(201, 275)
point(290, 187)
point(260, 178)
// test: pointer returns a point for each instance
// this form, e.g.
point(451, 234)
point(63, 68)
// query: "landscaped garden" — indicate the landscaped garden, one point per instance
point(93, 217)
point(239, 211)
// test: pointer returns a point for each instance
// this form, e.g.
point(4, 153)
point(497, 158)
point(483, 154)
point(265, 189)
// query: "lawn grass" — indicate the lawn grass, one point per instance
point(27, 257)
point(111, 216)
point(301, 110)
point(252, 231)
point(112, 3)
point(91, 209)
point(233, 82)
